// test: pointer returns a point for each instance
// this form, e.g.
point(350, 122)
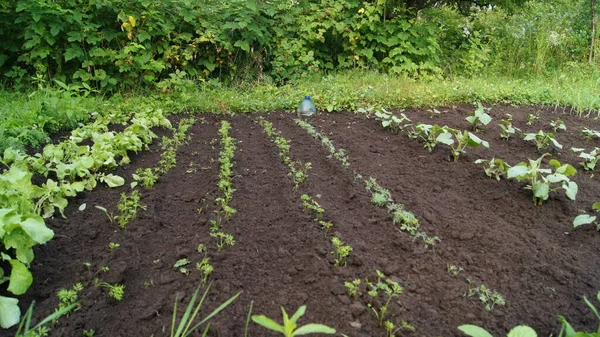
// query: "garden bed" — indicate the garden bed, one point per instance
point(529, 254)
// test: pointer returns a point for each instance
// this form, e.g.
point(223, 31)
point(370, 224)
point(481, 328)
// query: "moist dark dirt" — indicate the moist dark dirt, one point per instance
point(529, 254)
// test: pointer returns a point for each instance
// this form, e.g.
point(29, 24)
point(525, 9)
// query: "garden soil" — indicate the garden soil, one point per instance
point(529, 254)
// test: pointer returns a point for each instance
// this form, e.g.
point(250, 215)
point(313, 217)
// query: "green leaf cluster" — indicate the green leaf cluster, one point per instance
point(290, 324)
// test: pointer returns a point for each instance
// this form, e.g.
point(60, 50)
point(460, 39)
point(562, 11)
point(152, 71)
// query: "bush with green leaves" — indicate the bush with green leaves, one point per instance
point(543, 181)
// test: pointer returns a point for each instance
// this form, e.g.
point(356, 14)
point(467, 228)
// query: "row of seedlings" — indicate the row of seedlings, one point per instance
point(376, 289)
point(406, 221)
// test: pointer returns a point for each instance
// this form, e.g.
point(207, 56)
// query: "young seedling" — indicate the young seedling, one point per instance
point(341, 251)
point(181, 264)
point(310, 204)
point(586, 219)
point(386, 287)
point(407, 220)
point(68, 297)
point(128, 207)
point(290, 325)
point(532, 118)
point(353, 287)
point(116, 291)
point(205, 269)
point(389, 120)
point(112, 246)
point(518, 331)
point(391, 329)
point(339, 154)
point(427, 133)
point(379, 195)
point(299, 172)
point(558, 125)
point(145, 177)
point(490, 298)
point(542, 181)
point(479, 119)
point(223, 239)
point(590, 159)
point(433, 113)
point(453, 270)
point(588, 134)
point(326, 226)
point(109, 215)
point(461, 140)
point(506, 127)
point(493, 168)
point(542, 140)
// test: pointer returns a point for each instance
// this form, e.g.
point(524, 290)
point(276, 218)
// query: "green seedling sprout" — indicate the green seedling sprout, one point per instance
point(290, 326)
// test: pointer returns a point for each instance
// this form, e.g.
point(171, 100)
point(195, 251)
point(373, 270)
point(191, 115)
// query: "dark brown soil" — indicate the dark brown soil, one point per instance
point(529, 254)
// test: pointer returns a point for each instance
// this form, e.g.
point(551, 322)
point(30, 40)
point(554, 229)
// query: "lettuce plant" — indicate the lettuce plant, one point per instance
point(544, 181)
point(542, 140)
point(459, 140)
point(479, 118)
point(290, 324)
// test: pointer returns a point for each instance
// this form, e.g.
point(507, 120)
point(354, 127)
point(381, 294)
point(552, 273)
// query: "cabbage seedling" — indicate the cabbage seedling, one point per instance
point(461, 140)
point(542, 140)
point(542, 181)
point(479, 118)
point(290, 326)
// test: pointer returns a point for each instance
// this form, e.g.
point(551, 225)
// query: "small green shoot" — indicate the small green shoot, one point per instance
point(341, 251)
point(205, 269)
point(494, 168)
point(558, 125)
point(506, 127)
point(489, 298)
point(116, 291)
point(479, 118)
point(290, 326)
point(109, 215)
point(145, 177)
point(532, 118)
point(459, 140)
point(453, 270)
point(353, 287)
point(386, 287)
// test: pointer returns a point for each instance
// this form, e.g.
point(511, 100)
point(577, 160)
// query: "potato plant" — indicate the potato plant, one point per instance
point(542, 140)
point(543, 181)
point(459, 141)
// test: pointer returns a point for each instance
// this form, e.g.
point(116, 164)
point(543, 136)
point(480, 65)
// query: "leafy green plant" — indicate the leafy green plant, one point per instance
point(290, 324)
point(185, 328)
point(145, 177)
point(586, 219)
point(453, 270)
point(493, 168)
point(223, 239)
point(386, 287)
point(590, 159)
point(518, 331)
point(558, 125)
point(532, 118)
point(461, 140)
point(433, 113)
point(353, 287)
point(112, 246)
point(205, 269)
point(116, 291)
point(109, 215)
point(391, 121)
point(68, 297)
point(128, 207)
point(379, 196)
point(405, 219)
point(299, 172)
point(542, 140)
point(489, 298)
point(326, 226)
point(310, 204)
point(339, 154)
point(543, 181)
point(89, 333)
point(588, 133)
point(506, 127)
point(181, 264)
point(479, 118)
point(341, 251)
point(427, 133)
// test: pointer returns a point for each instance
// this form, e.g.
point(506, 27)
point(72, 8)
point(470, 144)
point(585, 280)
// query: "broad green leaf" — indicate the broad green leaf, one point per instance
point(445, 138)
point(541, 190)
point(556, 178)
point(485, 119)
point(267, 323)
point(557, 144)
point(82, 207)
point(571, 190)
point(474, 331)
point(9, 312)
point(522, 331)
point(577, 149)
point(517, 171)
point(113, 180)
point(583, 219)
point(555, 163)
point(20, 278)
point(569, 331)
point(568, 170)
point(35, 227)
point(313, 328)
point(299, 313)
point(596, 206)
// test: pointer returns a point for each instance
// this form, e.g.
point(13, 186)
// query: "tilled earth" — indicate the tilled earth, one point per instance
point(529, 254)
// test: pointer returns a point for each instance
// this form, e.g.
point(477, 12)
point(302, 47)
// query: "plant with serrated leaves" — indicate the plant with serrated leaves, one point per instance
point(518, 331)
point(338, 154)
point(128, 208)
point(427, 133)
point(290, 324)
point(590, 159)
point(532, 118)
point(391, 121)
point(489, 298)
point(391, 329)
point(116, 291)
point(299, 172)
point(310, 204)
point(459, 140)
point(68, 297)
point(542, 140)
point(353, 287)
point(586, 219)
point(379, 196)
point(479, 118)
point(543, 181)
point(341, 251)
point(558, 125)
point(405, 219)
point(386, 287)
point(168, 160)
point(205, 269)
point(506, 127)
point(493, 168)
point(588, 133)
point(223, 239)
point(145, 177)
point(326, 226)
point(453, 270)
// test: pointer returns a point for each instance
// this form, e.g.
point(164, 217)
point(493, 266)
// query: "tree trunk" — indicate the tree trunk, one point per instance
point(593, 22)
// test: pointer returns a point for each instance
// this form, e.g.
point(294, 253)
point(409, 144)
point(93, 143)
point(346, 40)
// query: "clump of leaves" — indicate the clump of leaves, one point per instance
point(326, 226)
point(479, 118)
point(586, 219)
point(588, 133)
point(310, 204)
point(388, 289)
point(493, 168)
point(405, 219)
point(506, 127)
point(453, 270)
point(532, 118)
point(145, 177)
point(391, 121)
point(544, 181)
point(299, 172)
point(68, 297)
point(223, 239)
point(558, 125)
point(128, 207)
point(116, 291)
point(490, 298)
point(353, 287)
point(542, 140)
point(590, 159)
point(518, 331)
point(426, 133)
point(379, 196)
point(461, 140)
point(205, 269)
point(341, 251)
point(290, 325)
point(181, 264)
